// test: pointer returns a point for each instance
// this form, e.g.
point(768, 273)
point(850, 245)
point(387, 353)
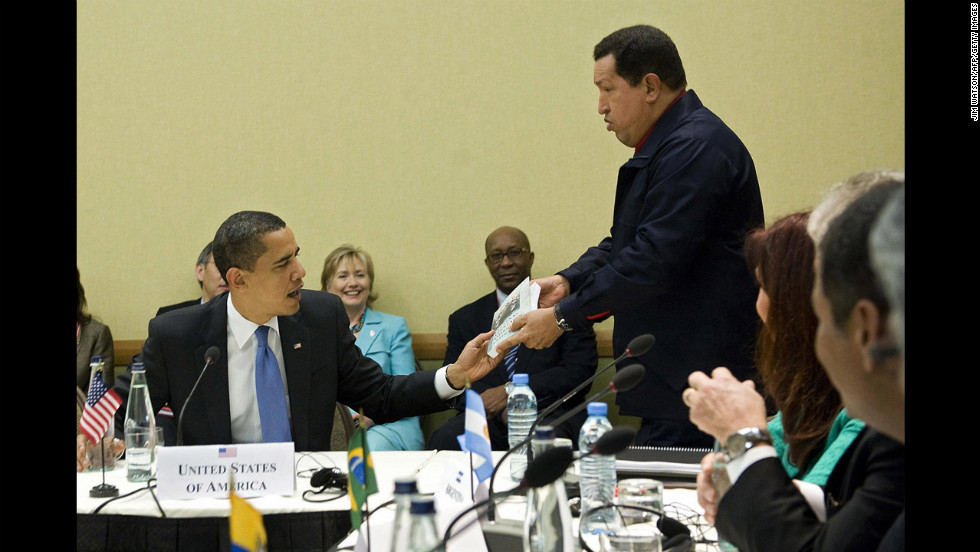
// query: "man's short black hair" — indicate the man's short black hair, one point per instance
point(643, 49)
point(238, 242)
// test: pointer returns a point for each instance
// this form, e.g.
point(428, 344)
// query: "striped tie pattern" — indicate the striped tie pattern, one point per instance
point(510, 361)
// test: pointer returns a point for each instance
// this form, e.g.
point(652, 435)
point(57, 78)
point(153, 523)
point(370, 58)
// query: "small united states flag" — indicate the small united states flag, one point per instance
point(100, 406)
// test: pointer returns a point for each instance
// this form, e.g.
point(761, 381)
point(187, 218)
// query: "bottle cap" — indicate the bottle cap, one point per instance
point(544, 432)
point(405, 486)
point(598, 408)
point(96, 359)
point(138, 367)
point(423, 505)
point(519, 378)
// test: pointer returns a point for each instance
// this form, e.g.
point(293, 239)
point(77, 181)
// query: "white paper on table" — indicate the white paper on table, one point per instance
point(454, 494)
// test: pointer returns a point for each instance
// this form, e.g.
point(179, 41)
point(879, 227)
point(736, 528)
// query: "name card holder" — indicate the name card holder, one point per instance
point(255, 469)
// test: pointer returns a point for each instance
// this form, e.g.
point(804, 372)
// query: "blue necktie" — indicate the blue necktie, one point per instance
point(270, 392)
point(510, 361)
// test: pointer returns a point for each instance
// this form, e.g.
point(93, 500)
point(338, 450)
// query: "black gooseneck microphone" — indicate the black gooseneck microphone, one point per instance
point(624, 380)
point(613, 441)
point(638, 346)
point(547, 468)
point(210, 357)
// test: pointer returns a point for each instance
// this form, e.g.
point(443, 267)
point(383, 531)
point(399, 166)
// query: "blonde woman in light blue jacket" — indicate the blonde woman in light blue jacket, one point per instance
point(348, 272)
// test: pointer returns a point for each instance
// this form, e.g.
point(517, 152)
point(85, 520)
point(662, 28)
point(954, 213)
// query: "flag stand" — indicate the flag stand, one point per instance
point(367, 522)
point(103, 490)
point(472, 490)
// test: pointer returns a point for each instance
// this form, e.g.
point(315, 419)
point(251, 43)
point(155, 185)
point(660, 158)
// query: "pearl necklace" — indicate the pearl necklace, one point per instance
point(357, 327)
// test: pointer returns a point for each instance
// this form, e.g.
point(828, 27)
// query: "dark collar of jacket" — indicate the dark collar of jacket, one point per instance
point(664, 127)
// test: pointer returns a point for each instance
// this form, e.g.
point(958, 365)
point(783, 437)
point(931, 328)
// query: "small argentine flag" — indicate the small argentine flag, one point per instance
point(476, 437)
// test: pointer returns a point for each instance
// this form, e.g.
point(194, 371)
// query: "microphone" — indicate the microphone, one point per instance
point(210, 357)
point(638, 346)
point(624, 380)
point(613, 441)
point(545, 469)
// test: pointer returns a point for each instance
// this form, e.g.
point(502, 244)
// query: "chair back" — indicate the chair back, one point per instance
point(343, 428)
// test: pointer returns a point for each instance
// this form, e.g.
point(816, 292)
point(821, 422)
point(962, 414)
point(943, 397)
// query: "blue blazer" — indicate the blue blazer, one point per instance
point(385, 339)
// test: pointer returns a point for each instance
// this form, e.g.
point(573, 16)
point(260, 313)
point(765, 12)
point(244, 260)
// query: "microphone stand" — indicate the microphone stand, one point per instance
point(551, 465)
point(624, 380)
point(210, 357)
point(638, 346)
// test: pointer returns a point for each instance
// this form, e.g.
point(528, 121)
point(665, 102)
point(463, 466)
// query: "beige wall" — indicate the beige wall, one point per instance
point(413, 128)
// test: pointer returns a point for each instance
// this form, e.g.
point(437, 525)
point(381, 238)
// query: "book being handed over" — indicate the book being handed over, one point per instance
point(522, 300)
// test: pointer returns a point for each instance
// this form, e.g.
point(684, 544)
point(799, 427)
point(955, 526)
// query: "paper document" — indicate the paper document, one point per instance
point(522, 300)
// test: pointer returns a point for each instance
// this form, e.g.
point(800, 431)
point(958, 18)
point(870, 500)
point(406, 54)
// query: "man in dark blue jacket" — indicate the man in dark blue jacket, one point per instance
point(672, 265)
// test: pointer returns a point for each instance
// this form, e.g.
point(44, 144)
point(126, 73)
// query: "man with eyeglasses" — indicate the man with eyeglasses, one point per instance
point(552, 372)
point(672, 264)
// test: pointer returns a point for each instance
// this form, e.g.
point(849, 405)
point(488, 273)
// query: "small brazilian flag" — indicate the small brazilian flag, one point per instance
point(360, 474)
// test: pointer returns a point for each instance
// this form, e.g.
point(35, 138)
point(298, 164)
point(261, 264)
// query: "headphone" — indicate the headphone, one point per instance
point(677, 536)
point(325, 479)
point(329, 478)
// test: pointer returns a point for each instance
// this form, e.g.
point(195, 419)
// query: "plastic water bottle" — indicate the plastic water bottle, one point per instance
point(422, 535)
point(139, 428)
point(597, 477)
point(522, 411)
point(405, 489)
point(548, 521)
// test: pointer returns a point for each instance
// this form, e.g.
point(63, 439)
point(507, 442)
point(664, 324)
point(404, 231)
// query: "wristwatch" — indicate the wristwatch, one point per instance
point(744, 439)
point(561, 320)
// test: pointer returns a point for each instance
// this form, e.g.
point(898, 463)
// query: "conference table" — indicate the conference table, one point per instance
point(306, 520)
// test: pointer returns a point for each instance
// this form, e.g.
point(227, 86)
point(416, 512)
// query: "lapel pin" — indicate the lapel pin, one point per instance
point(297, 346)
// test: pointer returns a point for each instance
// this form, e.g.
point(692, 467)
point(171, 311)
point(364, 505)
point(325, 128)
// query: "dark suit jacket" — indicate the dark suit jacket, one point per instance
point(672, 265)
point(182, 304)
point(552, 372)
point(865, 494)
point(322, 366)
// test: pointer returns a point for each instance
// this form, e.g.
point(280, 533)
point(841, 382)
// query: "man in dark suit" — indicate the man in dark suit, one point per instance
point(208, 277)
point(212, 285)
point(314, 363)
point(672, 265)
point(552, 372)
point(861, 506)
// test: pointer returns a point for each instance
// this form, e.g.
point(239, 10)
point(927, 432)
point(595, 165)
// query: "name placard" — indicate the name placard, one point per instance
point(255, 469)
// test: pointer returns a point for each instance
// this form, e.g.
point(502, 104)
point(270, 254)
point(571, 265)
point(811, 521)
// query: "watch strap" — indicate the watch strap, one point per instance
point(560, 319)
